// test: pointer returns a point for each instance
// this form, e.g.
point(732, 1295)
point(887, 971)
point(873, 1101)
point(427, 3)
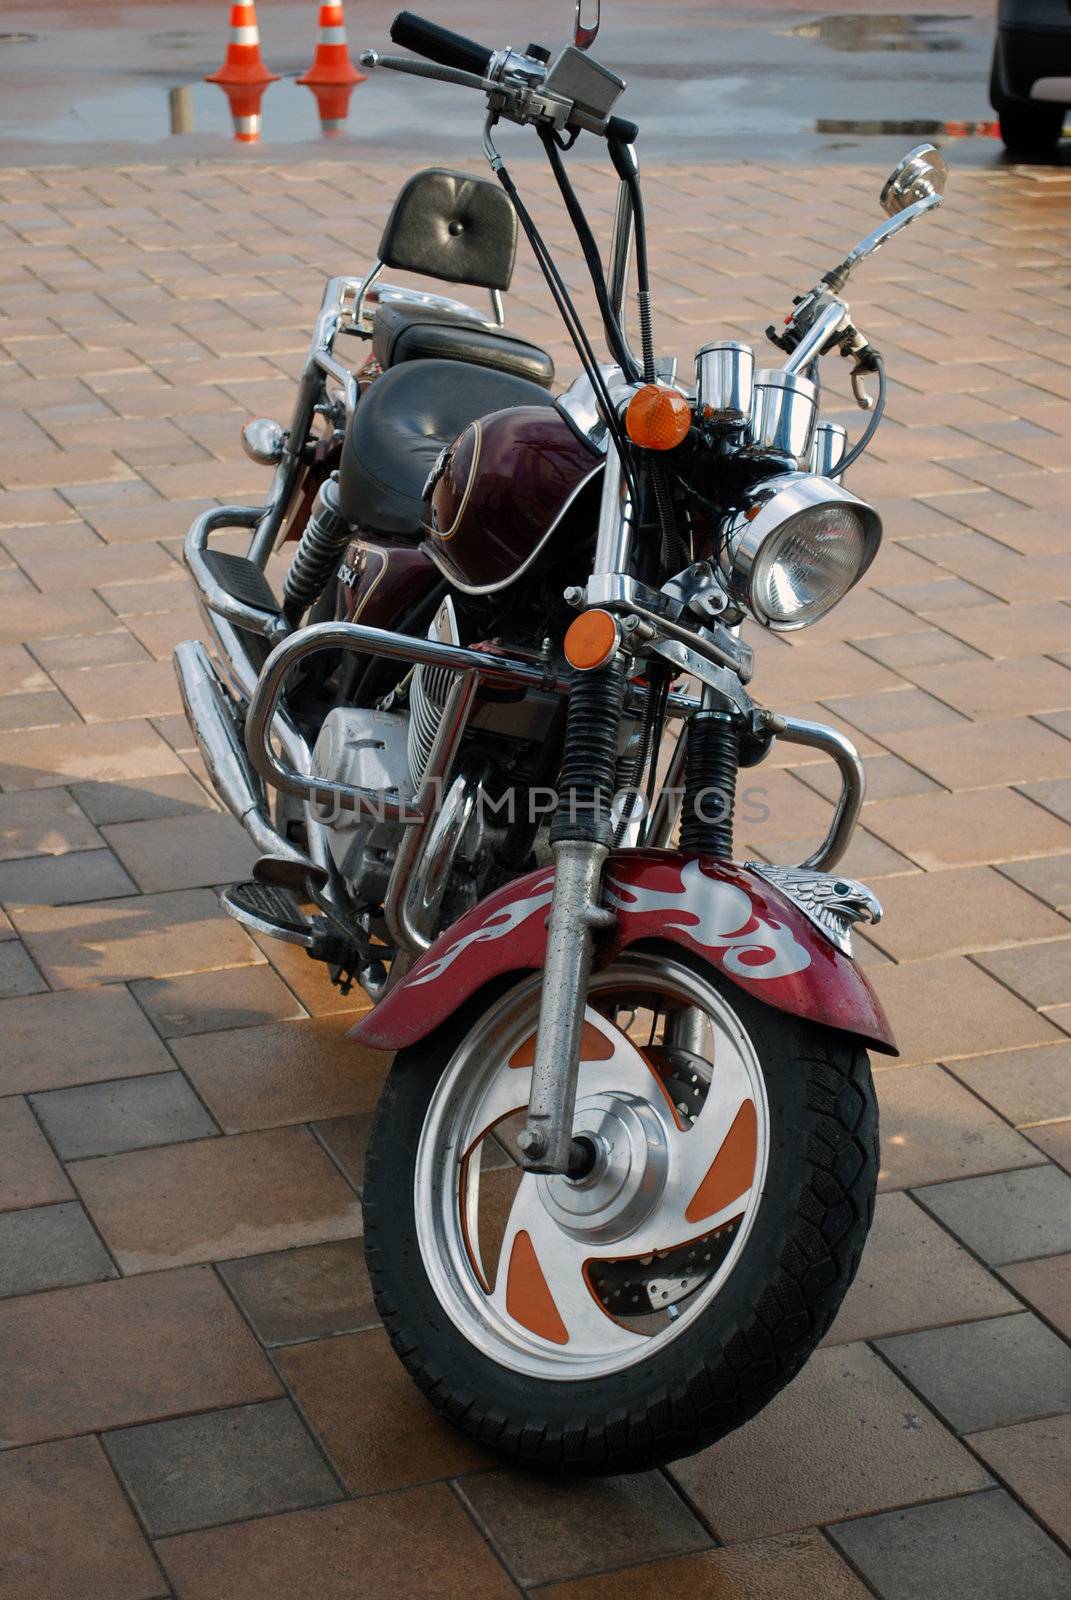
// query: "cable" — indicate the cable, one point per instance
point(875, 417)
point(614, 336)
point(570, 317)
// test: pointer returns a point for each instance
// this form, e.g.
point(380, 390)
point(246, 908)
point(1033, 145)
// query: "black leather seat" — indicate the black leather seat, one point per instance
point(404, 331)
point(399, 427)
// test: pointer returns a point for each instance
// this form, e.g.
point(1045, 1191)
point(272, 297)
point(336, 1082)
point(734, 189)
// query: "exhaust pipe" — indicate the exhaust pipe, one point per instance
point(213, 717)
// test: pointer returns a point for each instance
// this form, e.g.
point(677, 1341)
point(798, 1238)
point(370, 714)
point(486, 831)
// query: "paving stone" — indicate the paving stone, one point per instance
point(983, 1374)
point(43, 823)
point(207, 1002)
point(954, 830)
point(1046, 1285)
point(1049, 878)
point(66, 1528)
point(45, 709)
point(548, 1528)
point(1054, 1139)
point(19, 672)
point(366, 1410)
point(887, 777)
point(30, 1175)
point(913, 1275)
point(47, 1247)
point(1034, 1460)
point(946, 1007)
point(1040, 974)
point(112, 941)
point(877, 1446)
point(410, 1546)
point(894, 711)
point(962, 909)
point(63, 880)
point(52, 1040)
point(1003, 630)
point(216, 1198)
point(985, 689)
point(220, 1466)
point(113, 751)
point(982, 1545)
point(110, 693)
point(183, 852)
point(309, 979)
point(283, 1072)
point(1025, 1086)
point(347, 1140)
point(1007, 1216)
point(1054, 793)
point(87, 653)
point(294, 1295)
point(933, 1129)
point(974, 756)
point(172, 795)
point(18, 975)
point(768, 1569)
point(128, 1114)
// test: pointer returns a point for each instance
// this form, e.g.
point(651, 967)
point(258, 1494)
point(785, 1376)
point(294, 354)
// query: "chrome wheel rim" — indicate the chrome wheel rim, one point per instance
point(569, 1280)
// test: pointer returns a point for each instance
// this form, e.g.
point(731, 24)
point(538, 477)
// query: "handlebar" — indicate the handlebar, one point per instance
point(441, 45)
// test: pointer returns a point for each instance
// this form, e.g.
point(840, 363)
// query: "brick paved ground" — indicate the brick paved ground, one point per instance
point(196, 1397)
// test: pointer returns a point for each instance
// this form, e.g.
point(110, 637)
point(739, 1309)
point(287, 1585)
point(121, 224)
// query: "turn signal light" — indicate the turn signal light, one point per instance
point(658, 418)
point(591, 640)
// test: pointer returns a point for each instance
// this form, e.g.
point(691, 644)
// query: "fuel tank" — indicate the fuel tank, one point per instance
point(500, 492)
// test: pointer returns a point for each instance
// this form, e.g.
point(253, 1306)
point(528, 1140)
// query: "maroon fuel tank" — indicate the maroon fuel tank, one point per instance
point(499, 493)
point(379, 582)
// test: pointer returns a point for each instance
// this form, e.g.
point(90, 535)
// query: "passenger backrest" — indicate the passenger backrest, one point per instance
point(454, 227)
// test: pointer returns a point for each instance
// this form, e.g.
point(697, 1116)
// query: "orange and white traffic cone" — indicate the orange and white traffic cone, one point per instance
point(244, 99)
point(332, 65)
point(244, 63)
point(333, 104)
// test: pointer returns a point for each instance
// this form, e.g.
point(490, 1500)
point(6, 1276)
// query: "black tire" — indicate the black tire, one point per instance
point(1029, 128)
point(774, 1308)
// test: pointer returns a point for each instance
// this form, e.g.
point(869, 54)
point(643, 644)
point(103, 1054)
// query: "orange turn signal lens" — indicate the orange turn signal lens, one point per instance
point(658, 418)
point(591, 640)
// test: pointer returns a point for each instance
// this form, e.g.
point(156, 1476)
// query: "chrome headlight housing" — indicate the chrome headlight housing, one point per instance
point(795, 547)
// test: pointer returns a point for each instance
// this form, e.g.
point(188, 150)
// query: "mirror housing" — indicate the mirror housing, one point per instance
point(584, 34)
point(923, 172)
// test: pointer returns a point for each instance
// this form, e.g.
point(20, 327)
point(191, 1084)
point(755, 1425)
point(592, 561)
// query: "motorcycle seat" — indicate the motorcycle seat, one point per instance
point(404, 331)
point(400, 425)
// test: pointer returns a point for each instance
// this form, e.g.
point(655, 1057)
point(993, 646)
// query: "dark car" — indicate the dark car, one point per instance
point(1030, 84)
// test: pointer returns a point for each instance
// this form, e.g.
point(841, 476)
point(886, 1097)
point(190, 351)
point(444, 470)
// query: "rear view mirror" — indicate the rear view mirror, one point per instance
point(922, 172)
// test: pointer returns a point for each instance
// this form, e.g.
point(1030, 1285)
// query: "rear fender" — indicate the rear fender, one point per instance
point(725, 913)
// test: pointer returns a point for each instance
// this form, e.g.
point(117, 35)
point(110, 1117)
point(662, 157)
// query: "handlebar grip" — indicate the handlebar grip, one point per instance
point(440, 44)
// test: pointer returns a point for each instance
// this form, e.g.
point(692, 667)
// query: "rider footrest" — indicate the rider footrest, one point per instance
point(242, 579)
point(266, 908)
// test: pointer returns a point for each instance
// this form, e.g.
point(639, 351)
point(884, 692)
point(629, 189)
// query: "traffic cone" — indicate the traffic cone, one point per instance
point(333, 104)
point(332, 65)
point(244, 99)
point(244, 63)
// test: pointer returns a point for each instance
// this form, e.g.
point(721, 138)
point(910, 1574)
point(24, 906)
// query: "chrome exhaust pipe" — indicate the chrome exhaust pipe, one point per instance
point(211, 713)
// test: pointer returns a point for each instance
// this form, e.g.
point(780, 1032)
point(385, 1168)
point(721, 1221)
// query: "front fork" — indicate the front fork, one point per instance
point(580, 839)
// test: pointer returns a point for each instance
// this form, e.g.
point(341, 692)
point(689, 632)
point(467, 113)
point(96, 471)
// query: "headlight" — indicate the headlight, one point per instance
point(796, 547)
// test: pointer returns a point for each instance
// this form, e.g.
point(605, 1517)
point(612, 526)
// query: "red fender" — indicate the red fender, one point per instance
point(726, 913)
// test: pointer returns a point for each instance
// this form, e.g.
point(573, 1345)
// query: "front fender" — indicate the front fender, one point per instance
point(725, 913)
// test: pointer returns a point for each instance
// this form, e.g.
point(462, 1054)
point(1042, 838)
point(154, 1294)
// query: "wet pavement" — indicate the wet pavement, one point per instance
point(93, 81)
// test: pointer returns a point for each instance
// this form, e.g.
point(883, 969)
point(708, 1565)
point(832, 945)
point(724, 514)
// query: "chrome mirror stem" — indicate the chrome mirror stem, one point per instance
point(885, 230)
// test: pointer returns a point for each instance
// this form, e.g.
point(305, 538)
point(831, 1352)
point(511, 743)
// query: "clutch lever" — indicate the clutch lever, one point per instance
point(427, 69)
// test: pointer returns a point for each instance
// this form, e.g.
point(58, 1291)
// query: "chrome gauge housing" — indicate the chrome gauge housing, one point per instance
point(795, 547)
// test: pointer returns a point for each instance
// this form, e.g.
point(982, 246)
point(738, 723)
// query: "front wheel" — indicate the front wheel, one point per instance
point(633, 1316)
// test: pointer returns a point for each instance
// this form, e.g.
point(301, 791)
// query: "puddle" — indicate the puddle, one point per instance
point(856, 32)
point(910, 128)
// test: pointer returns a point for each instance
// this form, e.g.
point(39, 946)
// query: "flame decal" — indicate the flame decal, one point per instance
point(719, 916)
point(503, 921)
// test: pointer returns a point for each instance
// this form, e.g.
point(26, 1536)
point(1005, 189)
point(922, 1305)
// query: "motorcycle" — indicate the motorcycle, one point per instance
point(624, 1163)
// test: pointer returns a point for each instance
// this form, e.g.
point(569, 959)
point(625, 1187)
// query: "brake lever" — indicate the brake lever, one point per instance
point(426, 69)
point(863, 399)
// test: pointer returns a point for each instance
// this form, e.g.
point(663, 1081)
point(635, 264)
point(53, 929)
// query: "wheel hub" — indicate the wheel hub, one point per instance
point(627, 1176)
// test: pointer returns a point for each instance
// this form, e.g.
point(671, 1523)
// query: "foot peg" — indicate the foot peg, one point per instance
point(266, 908)
point(269, 909)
